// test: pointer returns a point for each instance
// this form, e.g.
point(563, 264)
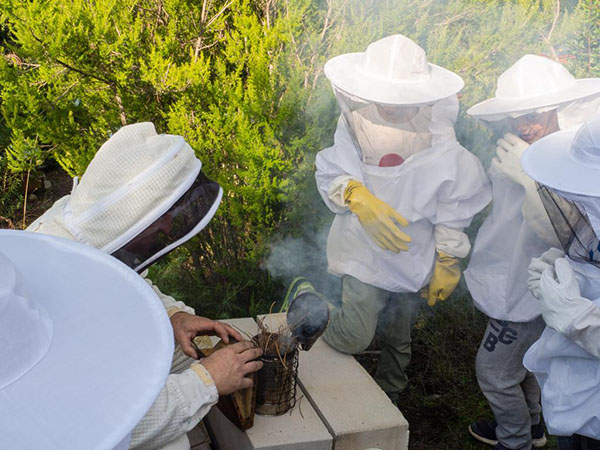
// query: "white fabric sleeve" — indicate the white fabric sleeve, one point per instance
point(462, 192)
point(451, 241)
point(183, 402)
point(335, 166)
point(171, 305)
point(584, 328)
point(337, 189)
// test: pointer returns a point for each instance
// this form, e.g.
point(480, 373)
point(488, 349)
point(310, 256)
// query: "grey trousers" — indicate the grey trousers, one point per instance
point(367, 310)
point(510, 389)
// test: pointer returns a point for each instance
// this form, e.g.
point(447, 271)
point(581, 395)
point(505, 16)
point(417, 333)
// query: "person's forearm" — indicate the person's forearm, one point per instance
point(171, 305)
point(451, 241)
point(585, 330)
point(182, 403)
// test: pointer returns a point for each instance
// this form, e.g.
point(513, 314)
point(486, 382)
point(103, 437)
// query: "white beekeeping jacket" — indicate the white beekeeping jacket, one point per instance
point(442, 186)
point(569, 375)
point(506, 243)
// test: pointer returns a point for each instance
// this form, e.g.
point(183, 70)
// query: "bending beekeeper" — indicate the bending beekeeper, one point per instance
point(534, 98)
point(402, 190)
point(566, 358)
point(143, 195)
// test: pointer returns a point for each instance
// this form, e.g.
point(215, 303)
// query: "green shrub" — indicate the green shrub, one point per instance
point(242, 80)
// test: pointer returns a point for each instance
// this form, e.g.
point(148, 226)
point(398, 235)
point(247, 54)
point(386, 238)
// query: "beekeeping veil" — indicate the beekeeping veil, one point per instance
point(143, 195)
point(394, 103)
point(566, 166)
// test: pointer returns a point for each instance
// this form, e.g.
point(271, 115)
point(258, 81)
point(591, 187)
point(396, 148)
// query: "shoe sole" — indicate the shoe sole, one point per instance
point(537, 443)
point(481, 438)
point(541, 442)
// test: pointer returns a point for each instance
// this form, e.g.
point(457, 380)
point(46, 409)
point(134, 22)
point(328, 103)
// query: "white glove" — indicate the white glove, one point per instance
point(537, 267)
point(560, 299)
point(509, 152)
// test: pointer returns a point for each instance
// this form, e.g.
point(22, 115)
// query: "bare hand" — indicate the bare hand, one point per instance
point(187, 326)
point(229, 366)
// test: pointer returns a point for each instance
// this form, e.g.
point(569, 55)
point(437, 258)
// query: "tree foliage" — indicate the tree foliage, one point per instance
point(586, 42)
point(242, 81)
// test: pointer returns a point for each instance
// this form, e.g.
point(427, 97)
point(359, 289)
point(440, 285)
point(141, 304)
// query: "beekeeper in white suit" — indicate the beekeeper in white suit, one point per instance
point(402, 190)
point(534, 98)
point(566, 358)
point(143, 195)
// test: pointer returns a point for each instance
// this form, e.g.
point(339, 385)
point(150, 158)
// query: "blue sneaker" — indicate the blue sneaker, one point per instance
point(298, 286)
point(485, 431)
point(307, 312)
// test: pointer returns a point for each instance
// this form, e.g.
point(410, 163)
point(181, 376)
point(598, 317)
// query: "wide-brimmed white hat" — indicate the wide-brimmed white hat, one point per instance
point(533, 83)
point(567, 161)
point(393, 70)
point(86, 345)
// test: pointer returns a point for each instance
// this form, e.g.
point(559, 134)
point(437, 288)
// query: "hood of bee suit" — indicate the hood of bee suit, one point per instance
point(141, 183)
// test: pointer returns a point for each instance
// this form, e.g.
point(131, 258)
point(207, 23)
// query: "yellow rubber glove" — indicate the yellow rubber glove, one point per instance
point(377, 217)
point(446, 275)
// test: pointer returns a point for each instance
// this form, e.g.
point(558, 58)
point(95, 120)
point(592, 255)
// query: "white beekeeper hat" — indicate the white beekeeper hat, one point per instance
point(533, 84)
point(393, 70)
point(86, 345)
point(135, 179)
point(567, 161)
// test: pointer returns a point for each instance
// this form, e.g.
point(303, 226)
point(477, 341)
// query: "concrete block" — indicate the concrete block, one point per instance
point(356, 411)
point(299, 429)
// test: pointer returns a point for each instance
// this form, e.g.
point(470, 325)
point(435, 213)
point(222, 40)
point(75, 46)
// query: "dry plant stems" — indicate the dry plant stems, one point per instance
point(274, 343)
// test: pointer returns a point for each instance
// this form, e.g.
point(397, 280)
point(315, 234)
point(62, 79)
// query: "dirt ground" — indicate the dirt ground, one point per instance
point(43, 191)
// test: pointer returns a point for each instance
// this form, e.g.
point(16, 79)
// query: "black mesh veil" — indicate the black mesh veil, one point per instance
point(572, 227)
point(185, 218)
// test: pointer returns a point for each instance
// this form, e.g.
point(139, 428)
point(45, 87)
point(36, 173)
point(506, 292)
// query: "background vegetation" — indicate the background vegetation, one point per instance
point(242, 81)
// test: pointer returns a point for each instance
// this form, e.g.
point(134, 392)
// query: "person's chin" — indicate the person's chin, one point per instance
point(530, 139)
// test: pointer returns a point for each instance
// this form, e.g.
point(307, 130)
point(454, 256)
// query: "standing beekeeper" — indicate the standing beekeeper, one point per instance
point(402, 190)
point(534, 98)
point(143, 195)
point(566, 359)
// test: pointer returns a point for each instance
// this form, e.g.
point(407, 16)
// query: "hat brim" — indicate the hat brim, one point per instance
point(502, 106)
point(109, 357)
point(549, 162)
point(344, 72)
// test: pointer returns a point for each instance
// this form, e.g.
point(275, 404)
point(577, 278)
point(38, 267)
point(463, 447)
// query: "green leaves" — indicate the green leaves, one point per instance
point(243, 82)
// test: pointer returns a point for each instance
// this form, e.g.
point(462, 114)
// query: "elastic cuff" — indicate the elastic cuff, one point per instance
point(201, 371)
point(337, 190)
point(172, 311)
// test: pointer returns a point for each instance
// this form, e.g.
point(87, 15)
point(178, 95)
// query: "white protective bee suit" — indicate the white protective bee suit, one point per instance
point(438, 190)
point(516, 230)
point(566, 358)
point(396, 139)
point(506, 242)
point(136, 177)
point(437, 185)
